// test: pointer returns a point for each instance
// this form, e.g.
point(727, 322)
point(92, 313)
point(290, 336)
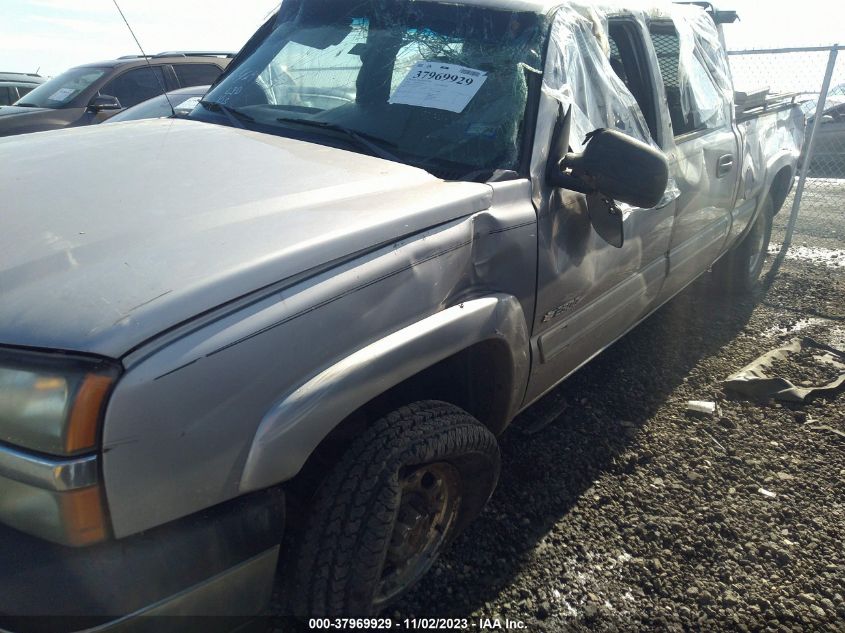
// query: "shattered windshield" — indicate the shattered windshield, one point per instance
point(443, 87)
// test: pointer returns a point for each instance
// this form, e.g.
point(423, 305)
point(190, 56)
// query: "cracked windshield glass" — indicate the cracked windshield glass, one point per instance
point(442, 87)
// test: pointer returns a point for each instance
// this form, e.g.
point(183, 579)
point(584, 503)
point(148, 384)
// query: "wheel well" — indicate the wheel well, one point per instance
point(780, 188)
point(477, 379)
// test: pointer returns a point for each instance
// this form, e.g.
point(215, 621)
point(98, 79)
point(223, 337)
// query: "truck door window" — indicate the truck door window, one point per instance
point(694, 99)
point(627, 58)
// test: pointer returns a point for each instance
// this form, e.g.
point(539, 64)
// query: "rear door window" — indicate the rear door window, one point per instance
point(196, 74)
point(692, 76)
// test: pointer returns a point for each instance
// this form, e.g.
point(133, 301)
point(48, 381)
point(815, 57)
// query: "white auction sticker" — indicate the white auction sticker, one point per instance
point(61, 95)
point(438, 85)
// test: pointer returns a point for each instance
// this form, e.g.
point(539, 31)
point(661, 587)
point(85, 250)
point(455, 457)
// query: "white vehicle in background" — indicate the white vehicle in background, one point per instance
point(176, 103)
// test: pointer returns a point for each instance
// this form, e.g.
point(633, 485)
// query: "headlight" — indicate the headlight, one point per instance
point(52, 406)
point(50, 412)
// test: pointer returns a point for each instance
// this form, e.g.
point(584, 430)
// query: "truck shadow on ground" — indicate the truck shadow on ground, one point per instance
point(544, 474)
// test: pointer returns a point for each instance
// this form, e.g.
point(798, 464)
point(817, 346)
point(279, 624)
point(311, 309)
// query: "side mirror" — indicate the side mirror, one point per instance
point(104, 102)
point(613, 166)
point(618, 167)
point(827, 118)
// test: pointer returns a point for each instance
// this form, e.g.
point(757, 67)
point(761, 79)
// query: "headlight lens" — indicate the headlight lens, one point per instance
point(51, 407)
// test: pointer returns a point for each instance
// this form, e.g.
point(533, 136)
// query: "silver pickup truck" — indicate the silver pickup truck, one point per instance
point(286, 331)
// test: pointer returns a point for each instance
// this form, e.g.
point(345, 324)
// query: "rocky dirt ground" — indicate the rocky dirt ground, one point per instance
point(629, 513)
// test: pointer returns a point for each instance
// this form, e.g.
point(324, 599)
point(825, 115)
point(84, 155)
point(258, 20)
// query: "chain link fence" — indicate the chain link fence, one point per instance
point(811, 224)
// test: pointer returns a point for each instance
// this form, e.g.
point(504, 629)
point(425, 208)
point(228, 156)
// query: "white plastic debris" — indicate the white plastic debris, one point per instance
point(767, 493)
point(701, 407)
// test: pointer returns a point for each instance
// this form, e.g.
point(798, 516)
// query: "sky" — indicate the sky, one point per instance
point(53, 35)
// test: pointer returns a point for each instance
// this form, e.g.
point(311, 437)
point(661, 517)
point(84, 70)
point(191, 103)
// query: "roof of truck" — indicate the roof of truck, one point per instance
point(650, 7)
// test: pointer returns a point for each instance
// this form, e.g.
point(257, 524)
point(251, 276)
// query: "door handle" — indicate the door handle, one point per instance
point(725, 165)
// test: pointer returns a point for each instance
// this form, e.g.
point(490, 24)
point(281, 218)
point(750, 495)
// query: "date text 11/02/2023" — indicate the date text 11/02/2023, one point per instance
point(417, 624)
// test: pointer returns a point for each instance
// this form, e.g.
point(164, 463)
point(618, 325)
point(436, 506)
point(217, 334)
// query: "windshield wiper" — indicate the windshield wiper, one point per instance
point(374, 144)
point(236, 117)
point(26, 105)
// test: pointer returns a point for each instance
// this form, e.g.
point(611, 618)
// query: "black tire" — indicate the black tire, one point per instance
point(739, 269)
point(343, 563)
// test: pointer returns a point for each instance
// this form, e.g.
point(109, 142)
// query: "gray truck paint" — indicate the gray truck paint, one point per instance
point(182, 243)
point(338, 390)
point(258, 289)
point(169, 434)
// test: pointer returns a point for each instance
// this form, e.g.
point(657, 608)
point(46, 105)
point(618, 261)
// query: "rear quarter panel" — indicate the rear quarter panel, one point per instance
point(771, 142)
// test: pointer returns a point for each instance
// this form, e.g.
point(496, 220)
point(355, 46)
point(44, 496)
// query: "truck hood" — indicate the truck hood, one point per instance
point(112, 234)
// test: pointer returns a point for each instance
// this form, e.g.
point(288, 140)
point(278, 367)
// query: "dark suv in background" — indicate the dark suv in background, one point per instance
point(13, 86)
point(94, 92)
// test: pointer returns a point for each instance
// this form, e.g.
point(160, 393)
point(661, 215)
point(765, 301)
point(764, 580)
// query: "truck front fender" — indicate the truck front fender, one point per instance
point(296, 424)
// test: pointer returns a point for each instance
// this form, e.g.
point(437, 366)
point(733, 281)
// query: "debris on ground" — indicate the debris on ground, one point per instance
point(701, 408)
point(791, 373)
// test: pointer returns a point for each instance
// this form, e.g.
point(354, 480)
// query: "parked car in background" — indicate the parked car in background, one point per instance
point(828, 159)
point(178, 103)
point(13, 86)
point(95, 92)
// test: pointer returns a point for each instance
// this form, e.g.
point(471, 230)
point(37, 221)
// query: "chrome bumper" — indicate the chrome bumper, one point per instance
point(34, 487)
point(57, 474)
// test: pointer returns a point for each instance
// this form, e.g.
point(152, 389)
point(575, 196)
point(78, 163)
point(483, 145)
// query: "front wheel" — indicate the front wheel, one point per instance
point(398, 496)
point(739, 269)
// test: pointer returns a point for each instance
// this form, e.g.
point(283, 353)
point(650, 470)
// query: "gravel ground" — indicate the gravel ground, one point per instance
point(630, 513)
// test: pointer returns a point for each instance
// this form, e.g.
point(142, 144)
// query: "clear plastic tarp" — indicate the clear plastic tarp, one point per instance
point(578, 74)
point(706, 89)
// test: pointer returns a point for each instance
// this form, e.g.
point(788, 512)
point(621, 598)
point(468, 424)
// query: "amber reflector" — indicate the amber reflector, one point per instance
point(82, 516)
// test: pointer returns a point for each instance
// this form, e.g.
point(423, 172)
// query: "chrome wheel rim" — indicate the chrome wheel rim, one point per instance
point(427, 511)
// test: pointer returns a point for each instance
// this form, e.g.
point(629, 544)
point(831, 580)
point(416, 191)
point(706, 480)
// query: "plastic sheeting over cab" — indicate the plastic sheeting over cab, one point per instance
point(583, 71)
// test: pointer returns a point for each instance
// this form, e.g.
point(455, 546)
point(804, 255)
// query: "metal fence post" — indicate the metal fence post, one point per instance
point(805, 166)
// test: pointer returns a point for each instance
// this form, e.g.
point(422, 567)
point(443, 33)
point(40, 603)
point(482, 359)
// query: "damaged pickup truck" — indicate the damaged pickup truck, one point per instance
point(287, 330)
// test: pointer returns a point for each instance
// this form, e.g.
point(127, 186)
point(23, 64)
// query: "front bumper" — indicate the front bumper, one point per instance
point(217, 562)
point(43, 496)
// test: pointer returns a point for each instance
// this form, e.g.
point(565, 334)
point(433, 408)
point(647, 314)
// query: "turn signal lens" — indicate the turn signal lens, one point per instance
point(83, 423)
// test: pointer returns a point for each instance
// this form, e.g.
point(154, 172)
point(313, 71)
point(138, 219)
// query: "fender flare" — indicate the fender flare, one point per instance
point(782, 159)
point(296, 423)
